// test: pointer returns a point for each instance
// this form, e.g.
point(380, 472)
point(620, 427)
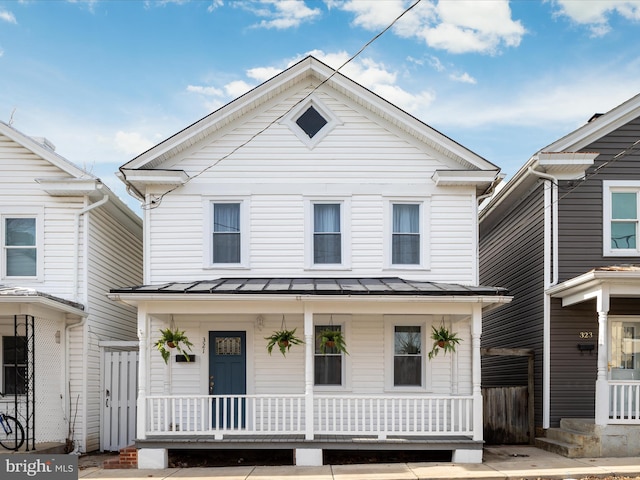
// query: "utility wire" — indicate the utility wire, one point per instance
point(156, 201)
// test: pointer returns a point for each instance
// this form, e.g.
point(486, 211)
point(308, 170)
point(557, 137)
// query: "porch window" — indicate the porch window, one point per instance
point(621, 220)
point(227, 245)
point(405, 237)
point(625, 350)
point(328, 365)
point(14, 365)
point(20, 251)
point(327, 239)
point(408, 357)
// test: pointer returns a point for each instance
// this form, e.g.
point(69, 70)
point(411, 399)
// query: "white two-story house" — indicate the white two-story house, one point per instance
point(310, 203)
point(66, 240)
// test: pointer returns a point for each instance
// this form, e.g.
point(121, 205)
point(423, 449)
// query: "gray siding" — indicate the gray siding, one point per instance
point(511, 256)
point(580, 206)
point(573, 373)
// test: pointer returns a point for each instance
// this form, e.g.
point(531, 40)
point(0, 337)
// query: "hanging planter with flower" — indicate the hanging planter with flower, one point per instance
point(283, 338)
point(443, 340)
point(333, 340)
point(173, 338)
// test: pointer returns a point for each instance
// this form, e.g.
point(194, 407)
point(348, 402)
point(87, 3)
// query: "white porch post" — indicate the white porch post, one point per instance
point(143, 366)
point(602, 384)
point(476, 332)
point(308, 372)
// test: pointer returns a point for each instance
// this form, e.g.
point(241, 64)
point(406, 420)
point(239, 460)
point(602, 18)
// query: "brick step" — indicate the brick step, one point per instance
point(127, 458)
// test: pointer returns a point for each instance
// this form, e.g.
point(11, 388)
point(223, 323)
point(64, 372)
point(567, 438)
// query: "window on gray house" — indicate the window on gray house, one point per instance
point(407, 356)
point(20, 247)
point(327, 239)
point(624, 220)
point(311, 122)
point(14, 365)
point(405, 243)
point(226, 233)
point(328, 365)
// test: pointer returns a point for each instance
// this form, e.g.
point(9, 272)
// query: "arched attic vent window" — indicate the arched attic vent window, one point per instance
point(311, 121)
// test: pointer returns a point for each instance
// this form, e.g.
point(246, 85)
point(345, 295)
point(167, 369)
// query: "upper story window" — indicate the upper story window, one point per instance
point(311, 121)
point(20, 246)
point(405, 236)
point(621, 221)
point(228, 234)
point(327, 239)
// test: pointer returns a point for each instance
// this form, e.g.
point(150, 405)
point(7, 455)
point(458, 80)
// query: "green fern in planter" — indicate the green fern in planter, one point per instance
point(443, 339)
point(172, 339)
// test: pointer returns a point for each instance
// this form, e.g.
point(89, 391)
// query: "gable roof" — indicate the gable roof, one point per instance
point(78, 183)
point(307, 69)
point(562, 159)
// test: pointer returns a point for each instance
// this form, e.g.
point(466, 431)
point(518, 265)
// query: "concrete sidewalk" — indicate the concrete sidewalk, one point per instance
point(501, 462)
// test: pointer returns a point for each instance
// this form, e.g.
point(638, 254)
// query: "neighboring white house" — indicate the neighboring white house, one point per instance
point(310, 203)
point(66, 241)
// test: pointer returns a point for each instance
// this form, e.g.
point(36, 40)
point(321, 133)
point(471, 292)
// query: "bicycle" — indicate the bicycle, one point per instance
point(11, 431)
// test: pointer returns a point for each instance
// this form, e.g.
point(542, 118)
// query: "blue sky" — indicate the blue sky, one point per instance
point(104, 80)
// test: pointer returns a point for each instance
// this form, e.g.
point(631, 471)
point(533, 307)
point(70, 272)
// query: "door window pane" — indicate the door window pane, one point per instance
point(407, 360)
point(405, 242)
point(20, 247)
point(625, 350)
point(327, 241)
point(226, 233)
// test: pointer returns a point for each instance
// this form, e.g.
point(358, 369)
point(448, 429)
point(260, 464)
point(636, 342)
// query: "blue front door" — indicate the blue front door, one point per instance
point(228, 376)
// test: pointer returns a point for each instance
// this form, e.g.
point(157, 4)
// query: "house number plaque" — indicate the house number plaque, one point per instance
point(586, 335)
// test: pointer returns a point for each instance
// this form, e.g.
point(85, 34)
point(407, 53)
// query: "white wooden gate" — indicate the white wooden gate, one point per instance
point(119, 392)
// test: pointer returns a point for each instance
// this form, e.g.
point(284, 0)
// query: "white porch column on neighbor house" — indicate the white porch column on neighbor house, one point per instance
point(143, 366)
point(308, 371)
point(476, 362)
point(602, 384)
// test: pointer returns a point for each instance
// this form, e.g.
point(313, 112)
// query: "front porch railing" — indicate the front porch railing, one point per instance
point(379, 416)
point(624, 402)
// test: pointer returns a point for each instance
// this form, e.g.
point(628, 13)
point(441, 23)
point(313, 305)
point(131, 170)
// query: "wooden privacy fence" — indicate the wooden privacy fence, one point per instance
point(508, 411)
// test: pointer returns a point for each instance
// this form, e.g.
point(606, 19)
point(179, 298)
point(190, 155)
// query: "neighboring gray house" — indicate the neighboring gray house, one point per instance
point(313, 203)
point(562, 236)
point(66, 239)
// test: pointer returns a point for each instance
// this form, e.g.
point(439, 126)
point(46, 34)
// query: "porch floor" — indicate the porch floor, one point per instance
point(342, 442)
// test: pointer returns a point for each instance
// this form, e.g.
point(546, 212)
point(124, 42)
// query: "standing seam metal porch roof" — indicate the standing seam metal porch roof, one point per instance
point(314, 286)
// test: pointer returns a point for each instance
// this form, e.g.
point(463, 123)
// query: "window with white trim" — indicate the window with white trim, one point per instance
point(407, 355)
point(228, 234)
point(20, 247)
point(327, 238)
point(311, 121)
point(328, 364)
point(621, 204)
point(405, 242)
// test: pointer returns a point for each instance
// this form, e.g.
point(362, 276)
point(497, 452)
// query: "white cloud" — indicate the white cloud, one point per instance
point(595, 13)
point(463, 78)
point(214, 5)
point(456, 26)
point(8, 17)
point(132, 143)
point(262, 74)
point(208, 91)
point(236, 88)
point(281, 14)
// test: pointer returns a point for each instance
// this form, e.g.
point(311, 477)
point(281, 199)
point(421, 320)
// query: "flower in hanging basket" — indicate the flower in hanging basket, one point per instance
point(172, 339)
point(443, 339)
point(332, 339)
point(284, 339)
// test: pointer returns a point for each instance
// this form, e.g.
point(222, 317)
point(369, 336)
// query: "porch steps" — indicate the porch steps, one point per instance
point(127, 458)
point(575, 438)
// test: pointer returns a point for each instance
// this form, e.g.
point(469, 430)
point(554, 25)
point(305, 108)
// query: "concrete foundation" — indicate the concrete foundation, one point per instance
point(466, 456)
point(308, 457)
point(153, 458)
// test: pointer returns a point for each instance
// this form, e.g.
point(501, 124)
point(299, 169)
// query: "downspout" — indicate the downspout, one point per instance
point(76, 288)
point(551, 263)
